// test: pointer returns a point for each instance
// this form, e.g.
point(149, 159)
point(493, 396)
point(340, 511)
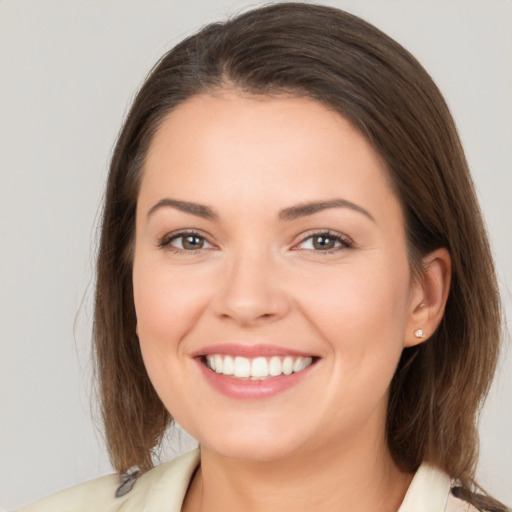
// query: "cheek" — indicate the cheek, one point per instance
point(361, 318)
point(167, 302)
point(360, 296)
point(362, 313)
point(167, 306)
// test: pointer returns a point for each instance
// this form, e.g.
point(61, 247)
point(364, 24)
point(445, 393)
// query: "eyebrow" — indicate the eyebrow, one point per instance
point(301, 210)
point(200, 210)
point(287, 214)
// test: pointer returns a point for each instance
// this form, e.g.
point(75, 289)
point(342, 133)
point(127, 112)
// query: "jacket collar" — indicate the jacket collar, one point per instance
point(428, 491)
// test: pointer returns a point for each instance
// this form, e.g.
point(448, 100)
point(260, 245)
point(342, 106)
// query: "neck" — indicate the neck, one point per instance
point(337, 478)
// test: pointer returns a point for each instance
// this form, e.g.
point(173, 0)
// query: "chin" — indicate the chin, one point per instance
point(251, 452)
point(257, 443)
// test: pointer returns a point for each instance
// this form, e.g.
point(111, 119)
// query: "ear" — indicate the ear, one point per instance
point(428, 298)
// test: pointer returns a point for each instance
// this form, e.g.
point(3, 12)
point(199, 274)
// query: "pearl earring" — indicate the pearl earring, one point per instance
point(419, 333)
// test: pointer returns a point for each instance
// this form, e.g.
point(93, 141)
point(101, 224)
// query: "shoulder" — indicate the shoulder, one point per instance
point(167, 482)
point(86, 496)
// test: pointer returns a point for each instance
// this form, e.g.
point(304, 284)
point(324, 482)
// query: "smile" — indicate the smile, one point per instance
point(258, 368)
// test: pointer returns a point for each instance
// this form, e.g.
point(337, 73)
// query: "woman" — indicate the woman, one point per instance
point(293, 266)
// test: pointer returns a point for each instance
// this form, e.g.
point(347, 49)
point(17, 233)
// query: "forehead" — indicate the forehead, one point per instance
point(237, 147)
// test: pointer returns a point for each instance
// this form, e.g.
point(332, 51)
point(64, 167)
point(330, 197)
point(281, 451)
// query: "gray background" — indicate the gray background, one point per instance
point(68, 70)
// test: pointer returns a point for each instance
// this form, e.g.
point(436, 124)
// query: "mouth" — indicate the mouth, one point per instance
point(256, 368)
point(254, 372)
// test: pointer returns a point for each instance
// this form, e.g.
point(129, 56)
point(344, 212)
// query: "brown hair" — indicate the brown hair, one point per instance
point(350, 66)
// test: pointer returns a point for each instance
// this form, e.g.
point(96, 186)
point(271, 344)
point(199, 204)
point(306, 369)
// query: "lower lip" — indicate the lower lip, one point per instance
point(251, 389)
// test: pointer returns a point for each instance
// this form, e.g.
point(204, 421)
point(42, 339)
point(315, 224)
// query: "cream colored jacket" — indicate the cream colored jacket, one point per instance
point(163, 489)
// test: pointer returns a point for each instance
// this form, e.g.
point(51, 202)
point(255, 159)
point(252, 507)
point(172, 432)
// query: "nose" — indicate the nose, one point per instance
point(251, 291)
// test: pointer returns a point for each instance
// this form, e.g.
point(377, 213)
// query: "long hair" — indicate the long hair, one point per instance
point(354, 69)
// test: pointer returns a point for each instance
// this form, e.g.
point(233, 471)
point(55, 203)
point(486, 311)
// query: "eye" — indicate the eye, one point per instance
point(325, 241)
point(186, 241)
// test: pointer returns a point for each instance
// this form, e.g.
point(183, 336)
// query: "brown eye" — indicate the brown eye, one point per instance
point(325, 242)
point(184, 242)
point(191, 242)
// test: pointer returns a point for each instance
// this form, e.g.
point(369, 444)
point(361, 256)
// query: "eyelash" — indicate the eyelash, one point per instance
point(345, 242)
point(165, 242)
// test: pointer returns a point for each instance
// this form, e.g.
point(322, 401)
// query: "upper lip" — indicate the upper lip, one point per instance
point(250, 351)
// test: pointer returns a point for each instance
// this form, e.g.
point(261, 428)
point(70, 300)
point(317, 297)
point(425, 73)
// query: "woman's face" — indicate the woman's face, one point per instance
point(268, 241)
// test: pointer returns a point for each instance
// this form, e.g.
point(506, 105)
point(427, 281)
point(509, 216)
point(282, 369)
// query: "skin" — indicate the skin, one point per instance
point(259, 279)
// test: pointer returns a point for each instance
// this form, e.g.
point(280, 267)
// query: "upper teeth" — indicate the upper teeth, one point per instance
point(257, 368)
